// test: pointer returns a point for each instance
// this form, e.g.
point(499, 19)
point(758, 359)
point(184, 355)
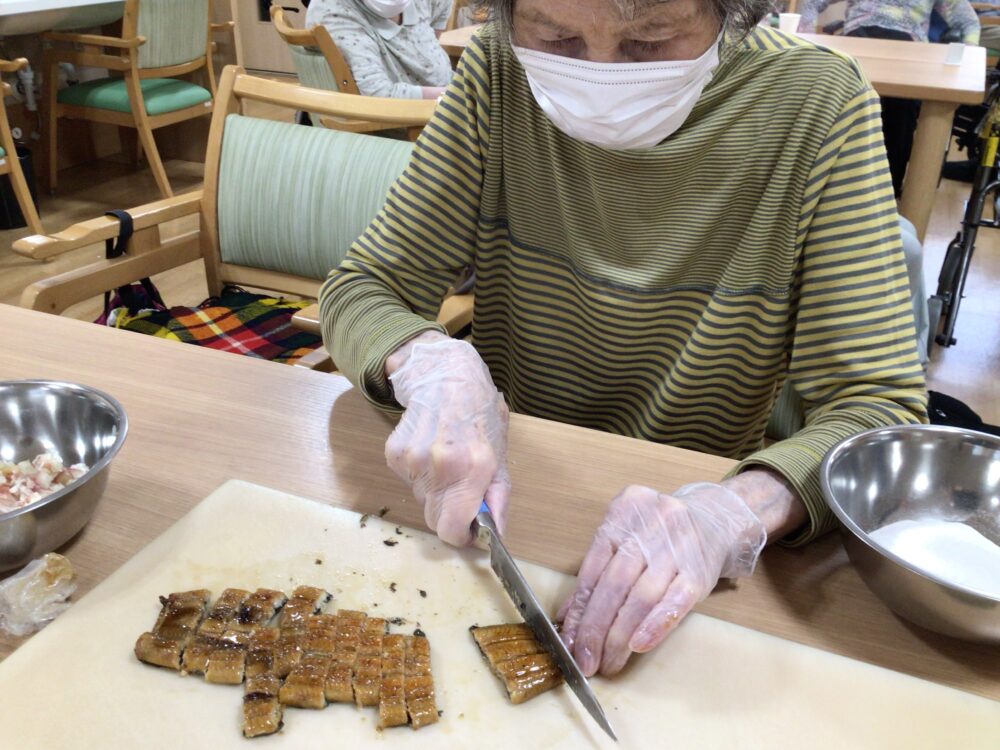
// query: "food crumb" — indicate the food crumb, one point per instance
point(419, 633)
point(399, 531)
point(390, 542)
point(318, 561)
point(461, 715)
point(423, 593)
point(397, 621)
point(440, 713)
point(392, 587)
point(364, 520)
point(382, 511)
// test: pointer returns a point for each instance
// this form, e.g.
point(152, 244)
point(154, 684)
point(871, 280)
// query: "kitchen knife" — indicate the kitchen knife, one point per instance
point(524, 599)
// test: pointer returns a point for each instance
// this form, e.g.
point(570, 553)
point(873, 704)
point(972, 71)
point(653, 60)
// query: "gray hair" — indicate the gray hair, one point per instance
point(741, 15)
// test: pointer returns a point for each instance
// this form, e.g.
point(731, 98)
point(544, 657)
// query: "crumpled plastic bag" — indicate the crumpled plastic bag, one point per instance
point(33, 597)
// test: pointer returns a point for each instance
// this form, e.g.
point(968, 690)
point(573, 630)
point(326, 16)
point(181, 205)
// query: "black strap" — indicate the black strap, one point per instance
point(115, 247)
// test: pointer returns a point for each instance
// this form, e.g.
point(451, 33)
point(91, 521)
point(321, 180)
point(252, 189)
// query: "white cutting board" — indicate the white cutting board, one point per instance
point(712, 685)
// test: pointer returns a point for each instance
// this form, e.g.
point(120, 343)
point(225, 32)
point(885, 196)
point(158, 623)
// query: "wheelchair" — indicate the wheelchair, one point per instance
point(977, 130)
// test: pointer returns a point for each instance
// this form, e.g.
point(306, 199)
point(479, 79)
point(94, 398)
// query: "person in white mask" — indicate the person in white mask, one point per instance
point(673, 214)
point(391, 46)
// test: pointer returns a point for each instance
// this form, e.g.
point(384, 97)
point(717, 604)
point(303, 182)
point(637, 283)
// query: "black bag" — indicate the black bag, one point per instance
point(142, 295)
point(945, 410)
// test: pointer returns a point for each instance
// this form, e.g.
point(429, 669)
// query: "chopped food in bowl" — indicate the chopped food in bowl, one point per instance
point(28, 482)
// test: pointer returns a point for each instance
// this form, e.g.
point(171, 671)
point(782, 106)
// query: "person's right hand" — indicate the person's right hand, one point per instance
point(451, 443)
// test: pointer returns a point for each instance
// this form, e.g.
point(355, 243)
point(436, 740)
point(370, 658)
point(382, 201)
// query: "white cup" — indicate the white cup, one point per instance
point(789, 22)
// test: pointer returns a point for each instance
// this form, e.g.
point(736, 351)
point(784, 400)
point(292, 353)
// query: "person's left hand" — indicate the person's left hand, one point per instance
point(655, 556)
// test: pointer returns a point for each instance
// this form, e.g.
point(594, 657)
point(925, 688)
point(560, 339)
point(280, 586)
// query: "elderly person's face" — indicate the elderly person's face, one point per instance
point(594, 30)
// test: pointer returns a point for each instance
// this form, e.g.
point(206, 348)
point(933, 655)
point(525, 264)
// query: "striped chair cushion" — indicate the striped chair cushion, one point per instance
point(293, 199)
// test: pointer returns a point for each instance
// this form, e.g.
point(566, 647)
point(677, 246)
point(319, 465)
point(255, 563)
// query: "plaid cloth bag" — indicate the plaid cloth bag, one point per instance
point(236, 321)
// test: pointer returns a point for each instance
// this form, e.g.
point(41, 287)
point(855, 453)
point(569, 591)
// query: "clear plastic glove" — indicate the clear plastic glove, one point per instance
point(451, 443)
point(34, 596)
point(655, 557)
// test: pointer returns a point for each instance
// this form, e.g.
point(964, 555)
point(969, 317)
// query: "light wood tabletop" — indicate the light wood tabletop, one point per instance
point(908, 70)
point(200, 417)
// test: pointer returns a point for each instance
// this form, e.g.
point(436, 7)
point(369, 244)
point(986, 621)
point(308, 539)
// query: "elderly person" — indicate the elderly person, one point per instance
point(671, 212)
point(905, 20)
point(391, 46)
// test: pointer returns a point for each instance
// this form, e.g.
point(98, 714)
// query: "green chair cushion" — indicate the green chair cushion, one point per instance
point(293, 199)
point(162, 95)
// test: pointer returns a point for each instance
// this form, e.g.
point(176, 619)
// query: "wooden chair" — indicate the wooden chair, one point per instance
point(10, 165)
point(320, 65)
point(161, 40)
point(278, 224)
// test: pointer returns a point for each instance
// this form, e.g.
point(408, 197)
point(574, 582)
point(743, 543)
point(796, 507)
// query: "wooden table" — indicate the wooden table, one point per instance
point(199, 417)
point(908, 70)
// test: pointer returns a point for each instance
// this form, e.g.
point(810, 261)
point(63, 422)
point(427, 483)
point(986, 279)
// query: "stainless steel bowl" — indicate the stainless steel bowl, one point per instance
point(918, 472)
point(80, 424)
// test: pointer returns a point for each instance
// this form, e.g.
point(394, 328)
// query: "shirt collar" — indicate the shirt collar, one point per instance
point(388, 29)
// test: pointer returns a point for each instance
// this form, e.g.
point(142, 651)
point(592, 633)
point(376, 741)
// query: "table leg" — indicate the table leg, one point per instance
point(929, 143)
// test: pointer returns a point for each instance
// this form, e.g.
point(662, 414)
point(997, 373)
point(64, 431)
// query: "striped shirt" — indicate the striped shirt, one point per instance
point(664, 294)
point(911, 17)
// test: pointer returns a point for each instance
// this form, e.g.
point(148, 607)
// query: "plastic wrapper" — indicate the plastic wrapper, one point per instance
point(33, 597)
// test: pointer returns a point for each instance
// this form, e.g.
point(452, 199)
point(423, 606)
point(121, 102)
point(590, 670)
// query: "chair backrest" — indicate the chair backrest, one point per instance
point(299, 213)
point(176, 31)
point(463, 13)
point(316, 57)
point(283, 203)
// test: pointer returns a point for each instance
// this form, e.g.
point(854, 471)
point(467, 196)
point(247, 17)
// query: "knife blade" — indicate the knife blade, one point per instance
point(520, 593)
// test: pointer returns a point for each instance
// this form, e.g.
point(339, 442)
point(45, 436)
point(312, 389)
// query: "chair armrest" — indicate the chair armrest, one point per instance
point(455, 314)
point(95, 40)
point(12, 66)
point(318, 360)
point(44, 247)
point(218, 28)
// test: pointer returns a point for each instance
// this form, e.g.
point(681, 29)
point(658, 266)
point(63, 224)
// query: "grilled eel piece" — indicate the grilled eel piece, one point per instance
point(261, 648)
point(305, 685)
point(304, 601)
point(368, 662)
point(339, 679)
point(257, 610)
point(418, 685)
point(262, 712)
point(392, 692)
point(517, 658)
point(175, 626)
point(212, 628)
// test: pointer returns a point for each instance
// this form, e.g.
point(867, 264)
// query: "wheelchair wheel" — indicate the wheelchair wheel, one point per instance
point(949, 269)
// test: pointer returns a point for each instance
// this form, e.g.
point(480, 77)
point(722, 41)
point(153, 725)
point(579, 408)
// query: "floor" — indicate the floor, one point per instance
point(969, 370)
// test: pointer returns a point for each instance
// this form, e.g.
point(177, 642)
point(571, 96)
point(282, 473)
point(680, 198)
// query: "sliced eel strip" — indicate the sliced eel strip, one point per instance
point(226, 663)
point(320, 635)
point(340, 678)
point(176, 624)
point(305, 685)
point(262, 711)
point(304, 602)
point(209, 638)
point(517, 658)
point(418, 684)
point(392, 694)
point(261, 651)
point(257, 610)
point(368, 662)
point(528, 676)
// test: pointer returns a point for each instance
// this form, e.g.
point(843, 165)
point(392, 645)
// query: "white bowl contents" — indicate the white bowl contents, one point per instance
point(953, 552)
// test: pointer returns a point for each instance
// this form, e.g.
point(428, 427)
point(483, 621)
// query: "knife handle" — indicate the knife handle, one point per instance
point(483, 526)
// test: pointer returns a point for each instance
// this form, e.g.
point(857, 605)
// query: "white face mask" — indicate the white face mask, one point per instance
point(617, 105)
point(387, 8)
